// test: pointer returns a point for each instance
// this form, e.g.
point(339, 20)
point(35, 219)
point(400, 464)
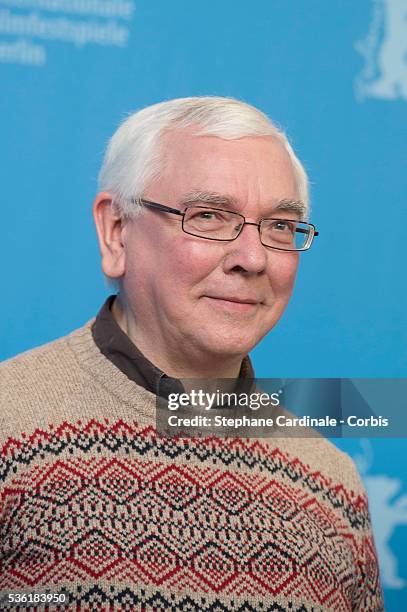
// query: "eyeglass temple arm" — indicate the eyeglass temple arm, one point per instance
point(161, 207)
point(304, 231)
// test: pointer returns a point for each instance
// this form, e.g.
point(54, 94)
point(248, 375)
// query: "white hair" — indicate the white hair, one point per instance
point(134, 157)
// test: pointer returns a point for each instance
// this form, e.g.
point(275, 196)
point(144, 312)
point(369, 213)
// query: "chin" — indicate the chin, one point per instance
point(230, 345)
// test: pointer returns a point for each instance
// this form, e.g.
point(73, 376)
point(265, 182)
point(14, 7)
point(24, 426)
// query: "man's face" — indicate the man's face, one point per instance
point(204, 297)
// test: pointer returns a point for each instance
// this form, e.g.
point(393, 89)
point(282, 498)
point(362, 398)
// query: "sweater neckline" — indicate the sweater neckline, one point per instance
point(100, 368)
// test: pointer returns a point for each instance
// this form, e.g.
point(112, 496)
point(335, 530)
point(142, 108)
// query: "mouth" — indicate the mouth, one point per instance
point(234, 304)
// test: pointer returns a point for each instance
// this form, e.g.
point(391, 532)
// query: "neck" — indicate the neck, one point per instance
point(175, 364)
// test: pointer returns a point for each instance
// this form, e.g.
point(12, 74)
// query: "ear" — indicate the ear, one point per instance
point(109, 227)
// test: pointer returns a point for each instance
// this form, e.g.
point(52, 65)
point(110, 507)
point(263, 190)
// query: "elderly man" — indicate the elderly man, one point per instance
point(201, 218)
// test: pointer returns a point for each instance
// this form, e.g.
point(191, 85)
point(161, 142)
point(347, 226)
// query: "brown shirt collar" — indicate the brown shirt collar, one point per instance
point(124, 354)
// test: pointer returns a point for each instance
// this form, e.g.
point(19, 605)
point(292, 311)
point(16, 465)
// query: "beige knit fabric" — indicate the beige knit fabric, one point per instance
point(96, 506)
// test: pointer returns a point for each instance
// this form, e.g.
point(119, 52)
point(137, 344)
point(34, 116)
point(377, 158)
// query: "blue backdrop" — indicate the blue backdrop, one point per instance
point(332, 74)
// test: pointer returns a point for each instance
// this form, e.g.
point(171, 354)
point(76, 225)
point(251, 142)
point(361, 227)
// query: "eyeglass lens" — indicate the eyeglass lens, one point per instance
point(225, 225)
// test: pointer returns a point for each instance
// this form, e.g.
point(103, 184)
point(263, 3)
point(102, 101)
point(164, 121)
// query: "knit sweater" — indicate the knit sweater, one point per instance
point(96, 506)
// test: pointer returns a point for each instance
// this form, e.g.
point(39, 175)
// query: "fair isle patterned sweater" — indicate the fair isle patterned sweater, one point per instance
point(95, 505)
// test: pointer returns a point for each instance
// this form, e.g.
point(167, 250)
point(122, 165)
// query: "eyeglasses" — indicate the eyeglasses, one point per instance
point(225, 225)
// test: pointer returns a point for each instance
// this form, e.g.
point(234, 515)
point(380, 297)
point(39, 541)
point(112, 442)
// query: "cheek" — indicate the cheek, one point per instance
point(192, 261)
point(282, 272)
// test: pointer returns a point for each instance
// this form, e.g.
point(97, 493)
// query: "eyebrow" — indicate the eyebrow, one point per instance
point(208, 197)
point(296, 207)
point(292, 206)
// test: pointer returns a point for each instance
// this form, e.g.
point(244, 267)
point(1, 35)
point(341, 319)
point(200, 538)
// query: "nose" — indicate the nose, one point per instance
point(246, 253)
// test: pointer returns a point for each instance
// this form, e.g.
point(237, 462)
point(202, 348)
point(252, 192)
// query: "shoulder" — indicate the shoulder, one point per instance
point(314, 453)
point(66, 380)
point(320, 460)
point(42, 376)
point(40, 362)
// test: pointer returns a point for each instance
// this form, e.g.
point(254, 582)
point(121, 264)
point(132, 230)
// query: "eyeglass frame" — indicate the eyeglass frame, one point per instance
point(175, 211)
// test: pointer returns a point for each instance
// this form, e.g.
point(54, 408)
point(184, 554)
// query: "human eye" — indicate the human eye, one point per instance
point(206, 221)
point(207, 215)
point(280, 233)
point(281, 225)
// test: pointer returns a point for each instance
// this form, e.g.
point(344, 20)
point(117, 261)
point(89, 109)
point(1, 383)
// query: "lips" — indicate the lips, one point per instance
point(233, 304)
point(237, 300)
